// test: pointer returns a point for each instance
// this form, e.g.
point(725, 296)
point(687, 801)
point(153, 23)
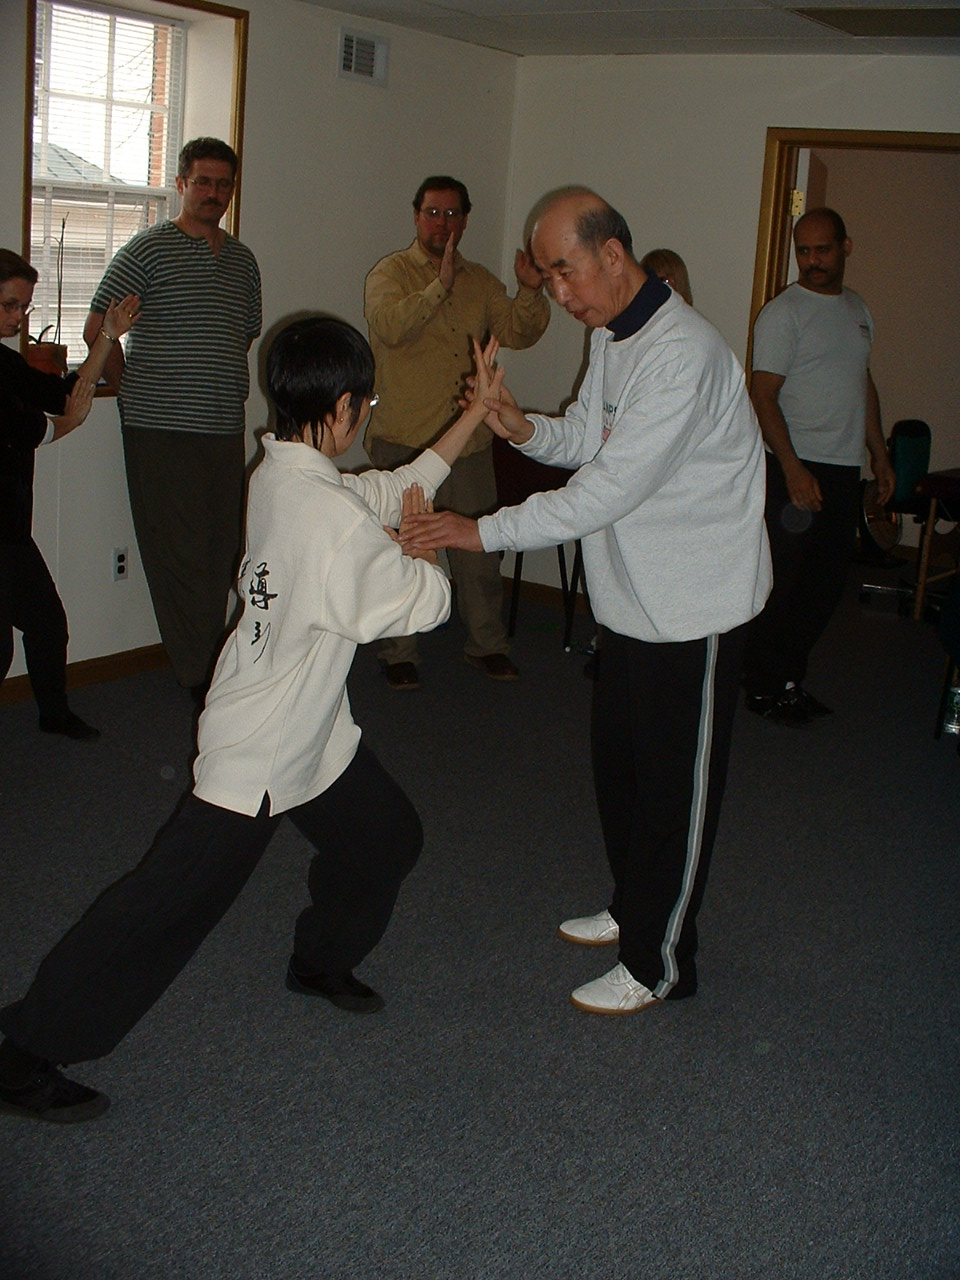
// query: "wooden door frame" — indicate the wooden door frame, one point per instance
point(779, 175)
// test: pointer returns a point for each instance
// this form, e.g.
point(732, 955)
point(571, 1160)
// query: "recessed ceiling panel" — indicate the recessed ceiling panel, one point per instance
point(911, 23)
point(579, 27)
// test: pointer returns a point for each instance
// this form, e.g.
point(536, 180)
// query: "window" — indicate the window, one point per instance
point(109, 112)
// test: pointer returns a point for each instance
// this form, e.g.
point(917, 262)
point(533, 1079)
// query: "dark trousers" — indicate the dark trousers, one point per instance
point(811, 552)
point(186, 499)
point(29, 602)
point(104, 975)
point(662, 720)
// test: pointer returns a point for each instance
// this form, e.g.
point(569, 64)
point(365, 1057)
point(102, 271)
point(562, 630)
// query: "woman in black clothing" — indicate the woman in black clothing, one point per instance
point(28, 596)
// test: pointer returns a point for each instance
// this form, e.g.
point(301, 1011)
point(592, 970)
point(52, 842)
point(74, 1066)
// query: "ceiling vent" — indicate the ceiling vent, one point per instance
point(363, 57)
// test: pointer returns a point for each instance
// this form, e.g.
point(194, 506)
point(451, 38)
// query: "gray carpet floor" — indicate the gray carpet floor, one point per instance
point(798, 1119)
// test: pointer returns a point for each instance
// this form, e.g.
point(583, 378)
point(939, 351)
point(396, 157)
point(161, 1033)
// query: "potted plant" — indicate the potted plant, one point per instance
point(50, 356)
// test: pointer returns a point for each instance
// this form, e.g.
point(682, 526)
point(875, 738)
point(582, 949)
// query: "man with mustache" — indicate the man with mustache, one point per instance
point(423, 305)
point(182, 382)
point(817, 407)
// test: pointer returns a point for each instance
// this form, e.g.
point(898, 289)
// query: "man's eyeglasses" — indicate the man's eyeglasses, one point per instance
point(448, 215)
point(11, 308)
point(221, 185)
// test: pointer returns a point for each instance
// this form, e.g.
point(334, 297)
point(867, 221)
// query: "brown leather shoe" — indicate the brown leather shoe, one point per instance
point(495, 665)
point(401, 675)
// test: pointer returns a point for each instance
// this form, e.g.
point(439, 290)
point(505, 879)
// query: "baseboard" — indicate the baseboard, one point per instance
point(112, 666)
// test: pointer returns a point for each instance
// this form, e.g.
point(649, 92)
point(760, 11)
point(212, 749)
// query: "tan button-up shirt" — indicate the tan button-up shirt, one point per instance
point(420, 335)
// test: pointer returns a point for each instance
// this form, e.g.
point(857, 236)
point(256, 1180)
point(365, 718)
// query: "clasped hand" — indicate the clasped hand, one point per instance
point(413, 503)
point(427, 532)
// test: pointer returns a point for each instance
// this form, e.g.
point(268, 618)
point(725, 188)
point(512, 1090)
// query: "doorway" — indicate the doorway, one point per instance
point(897, 193)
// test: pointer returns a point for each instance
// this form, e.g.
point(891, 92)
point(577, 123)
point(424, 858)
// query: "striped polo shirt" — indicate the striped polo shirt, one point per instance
point(186, 358)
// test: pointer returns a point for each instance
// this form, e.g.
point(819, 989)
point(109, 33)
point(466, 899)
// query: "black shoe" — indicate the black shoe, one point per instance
point(784, 708)
point(70, 725)
point(49, 1095)
point(495, 665)
point(341, 989)
point(813, 706)
point(401, 675)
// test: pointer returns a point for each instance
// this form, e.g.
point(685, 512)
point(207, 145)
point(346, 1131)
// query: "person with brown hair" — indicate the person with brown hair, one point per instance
point(182, 384)
point(423, 305)
point(671, 269)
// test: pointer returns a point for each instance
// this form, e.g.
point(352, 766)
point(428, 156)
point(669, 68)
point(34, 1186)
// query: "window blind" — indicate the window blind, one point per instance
point(107, 129)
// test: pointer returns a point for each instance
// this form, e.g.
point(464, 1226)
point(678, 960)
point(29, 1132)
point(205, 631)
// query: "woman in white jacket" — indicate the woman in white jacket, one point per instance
point(320, 575)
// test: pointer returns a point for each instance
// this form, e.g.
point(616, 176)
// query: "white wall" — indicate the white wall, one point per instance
point(901, 212)
point(13, 24)
point(330, 167)
point(209, 66)
point(676, 143)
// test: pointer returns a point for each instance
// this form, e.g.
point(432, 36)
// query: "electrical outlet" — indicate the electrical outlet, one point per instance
point(120, 564)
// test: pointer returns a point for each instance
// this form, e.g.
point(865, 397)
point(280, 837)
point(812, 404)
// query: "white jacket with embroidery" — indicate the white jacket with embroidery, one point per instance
point(319, 576)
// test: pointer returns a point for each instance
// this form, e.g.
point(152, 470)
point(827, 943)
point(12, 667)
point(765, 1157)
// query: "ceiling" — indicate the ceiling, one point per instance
point(585, 27)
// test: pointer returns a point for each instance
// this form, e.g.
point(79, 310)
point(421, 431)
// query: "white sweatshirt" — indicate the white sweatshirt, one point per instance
point(319, 576)
point(669, 489)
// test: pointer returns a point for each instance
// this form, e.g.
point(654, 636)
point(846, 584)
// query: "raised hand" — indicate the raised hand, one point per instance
point(527, 271)
point(76, 409)
point(120, 317)
point(447, 268)
point(487, 382)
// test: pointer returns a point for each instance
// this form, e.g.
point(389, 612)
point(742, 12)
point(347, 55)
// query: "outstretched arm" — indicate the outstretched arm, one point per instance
point(100, 333)
point(118, 320)
point(425, 533)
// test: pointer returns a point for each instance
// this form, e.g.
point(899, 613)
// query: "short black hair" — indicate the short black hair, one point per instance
point(442, 182)
point(600, 223)
point(206, 149)
point(310, 364)
point(829, 215)
point(13, 267)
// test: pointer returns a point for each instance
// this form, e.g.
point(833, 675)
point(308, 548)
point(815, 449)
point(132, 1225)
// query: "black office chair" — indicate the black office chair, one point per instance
point(881, 527)
point(517, 478)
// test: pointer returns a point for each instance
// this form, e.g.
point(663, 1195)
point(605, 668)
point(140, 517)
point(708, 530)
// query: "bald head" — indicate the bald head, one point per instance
point(584, 251)
point(594, 221)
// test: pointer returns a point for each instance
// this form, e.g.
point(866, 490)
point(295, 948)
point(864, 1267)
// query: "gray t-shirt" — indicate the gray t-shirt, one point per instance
point(820, 345)
point(186, 358)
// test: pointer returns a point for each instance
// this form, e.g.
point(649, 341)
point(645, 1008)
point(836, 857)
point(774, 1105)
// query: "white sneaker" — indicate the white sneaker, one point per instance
point(616, 992)
point(591, 931)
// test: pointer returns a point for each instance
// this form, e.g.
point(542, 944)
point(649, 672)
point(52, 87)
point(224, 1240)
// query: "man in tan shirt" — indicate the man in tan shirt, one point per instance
point(423, 305)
